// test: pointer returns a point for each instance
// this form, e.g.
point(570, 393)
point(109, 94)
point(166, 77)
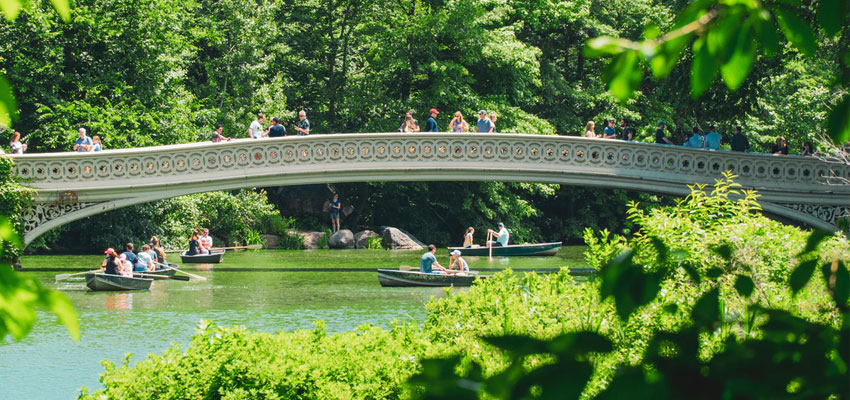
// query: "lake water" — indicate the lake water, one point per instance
point(263, 290)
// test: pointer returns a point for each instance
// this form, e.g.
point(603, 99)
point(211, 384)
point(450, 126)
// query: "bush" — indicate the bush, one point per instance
point(14, 198)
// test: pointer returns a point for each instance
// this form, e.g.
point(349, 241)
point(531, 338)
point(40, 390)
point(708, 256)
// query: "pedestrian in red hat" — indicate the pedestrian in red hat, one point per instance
point(431, 124)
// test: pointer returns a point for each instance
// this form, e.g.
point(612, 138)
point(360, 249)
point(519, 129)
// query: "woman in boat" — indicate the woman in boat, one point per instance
point(194, 245)
point(458, 262)
point(467, 237)
point(144, 262)
point(203, 247)
point(158, 251)
point(110, 263)
point(126, 266)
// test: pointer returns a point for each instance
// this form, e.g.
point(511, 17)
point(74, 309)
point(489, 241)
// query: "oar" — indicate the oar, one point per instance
point(175, 277)
point(61, 277)
point(490, 244)
point(184, 272)
point(248, 247)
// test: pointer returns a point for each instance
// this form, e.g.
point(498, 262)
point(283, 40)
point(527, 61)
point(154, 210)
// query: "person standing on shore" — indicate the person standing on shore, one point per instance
point(335, 207)
point(256, 130)
point(303, 127)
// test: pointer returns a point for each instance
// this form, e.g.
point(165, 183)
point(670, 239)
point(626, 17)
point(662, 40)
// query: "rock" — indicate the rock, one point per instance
point(270, 241)
point(311, 240)
point(397, 239)
point(341, 239)
point(361, 239)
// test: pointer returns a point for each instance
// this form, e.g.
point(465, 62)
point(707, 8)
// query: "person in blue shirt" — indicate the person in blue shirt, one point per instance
point(131, 256)
point(609, 132)
point(484, 125)
point(695, 141)
point(431, 123)
point(83, 143)
point(335, 207)
point(712, 139)
point(428, 263)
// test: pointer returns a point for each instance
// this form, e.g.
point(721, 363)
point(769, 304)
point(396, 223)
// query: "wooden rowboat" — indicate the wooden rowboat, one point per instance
point(213, 258)
point(98, 282)
point(535, 249)
point(394, 277)
point(160, 272)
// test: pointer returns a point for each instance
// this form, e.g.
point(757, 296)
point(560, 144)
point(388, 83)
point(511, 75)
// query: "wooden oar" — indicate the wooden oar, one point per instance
point(490, 244)
point(61, 277)
point(248, 247)
point(184, 272)
point(175, 277)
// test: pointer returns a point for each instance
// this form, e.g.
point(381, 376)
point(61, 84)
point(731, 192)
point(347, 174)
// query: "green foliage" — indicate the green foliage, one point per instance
point(725, 36)
point(21, 296)
point(706, 317)
point(14, 198)
point(232, 363)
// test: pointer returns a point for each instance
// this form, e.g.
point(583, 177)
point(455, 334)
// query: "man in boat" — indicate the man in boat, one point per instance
point(428, 263)
point(110, 263)
point(501, 236)
point(130, 255)
point(206, 239)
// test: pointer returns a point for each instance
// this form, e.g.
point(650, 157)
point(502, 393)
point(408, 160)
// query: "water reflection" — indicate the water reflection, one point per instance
point(119, 301)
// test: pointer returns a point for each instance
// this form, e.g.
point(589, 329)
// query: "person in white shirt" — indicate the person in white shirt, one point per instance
point(16, 145)
point(501, 236)
point(206, 239)
point(256, 130)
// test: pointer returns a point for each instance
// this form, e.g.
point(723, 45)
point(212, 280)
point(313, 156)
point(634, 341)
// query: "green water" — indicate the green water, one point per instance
point(263, 290)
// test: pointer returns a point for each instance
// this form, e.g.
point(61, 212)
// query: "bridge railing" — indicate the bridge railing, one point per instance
point(179, 163)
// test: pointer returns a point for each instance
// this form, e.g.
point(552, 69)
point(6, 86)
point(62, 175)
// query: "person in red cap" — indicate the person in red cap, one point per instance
point(110, 264)
point(431, 124)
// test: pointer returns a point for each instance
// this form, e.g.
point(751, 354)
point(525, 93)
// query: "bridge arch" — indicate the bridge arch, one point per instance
point(71, 186)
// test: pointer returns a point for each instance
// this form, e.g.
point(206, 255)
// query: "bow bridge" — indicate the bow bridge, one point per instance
point(71, 186)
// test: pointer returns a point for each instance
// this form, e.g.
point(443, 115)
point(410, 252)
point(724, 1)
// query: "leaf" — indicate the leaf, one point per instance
point(744, 285)
point(8, 105)
point(660, 248)
point(713, 273)
point(838, 121)
point(667, 55)
point(797, 31)
point(613, 270)
point(580, 343)
point(624, 75)
point(736, 69)
point(10, 9)
point(724, 251)
point(671, 308)
point(519, 345)
point(802, 274)
point(767, 34)
point(692, 272)
point(606, 45)
point(706, 311)
point(703, 69)
point(830, 14)
point(63, 8)
point(64, 310)
point(815, 238)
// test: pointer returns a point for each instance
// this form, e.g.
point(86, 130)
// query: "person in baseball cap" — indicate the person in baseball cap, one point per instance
point(431, 123)
point(458, 262)
point(110, 263)
point(484, 125)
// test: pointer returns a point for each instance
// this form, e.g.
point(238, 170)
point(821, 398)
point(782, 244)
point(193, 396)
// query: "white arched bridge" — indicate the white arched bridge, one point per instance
point(71, 186)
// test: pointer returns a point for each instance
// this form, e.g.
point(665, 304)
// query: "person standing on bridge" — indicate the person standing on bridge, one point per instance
point(255, 131)
point(276, 129)
point(695, 141)
point(484, 125)
point(16, 145)
point(410, 124)
point(609, 132)
point(96, 144)
point(303, 127)
point(712, 139)
point(431, 123)
point(660, 137)
point(493, 118)
point(627, 131)
point(217, 137)
point(739, 142)
point(590, 129)
point(83, 143)
point(458, 125)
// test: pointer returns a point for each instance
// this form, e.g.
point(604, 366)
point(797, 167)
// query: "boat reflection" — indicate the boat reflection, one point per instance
point(119, 301)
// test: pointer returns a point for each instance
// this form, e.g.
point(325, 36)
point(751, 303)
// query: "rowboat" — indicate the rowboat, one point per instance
point(98, 282)
point(394, 277)
point(213, 258)
point(160, 272)
point(534, 249)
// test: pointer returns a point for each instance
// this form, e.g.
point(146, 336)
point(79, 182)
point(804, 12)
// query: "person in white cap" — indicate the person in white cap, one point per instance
point(484, 125)
point(501, 236)
point(458, 262)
